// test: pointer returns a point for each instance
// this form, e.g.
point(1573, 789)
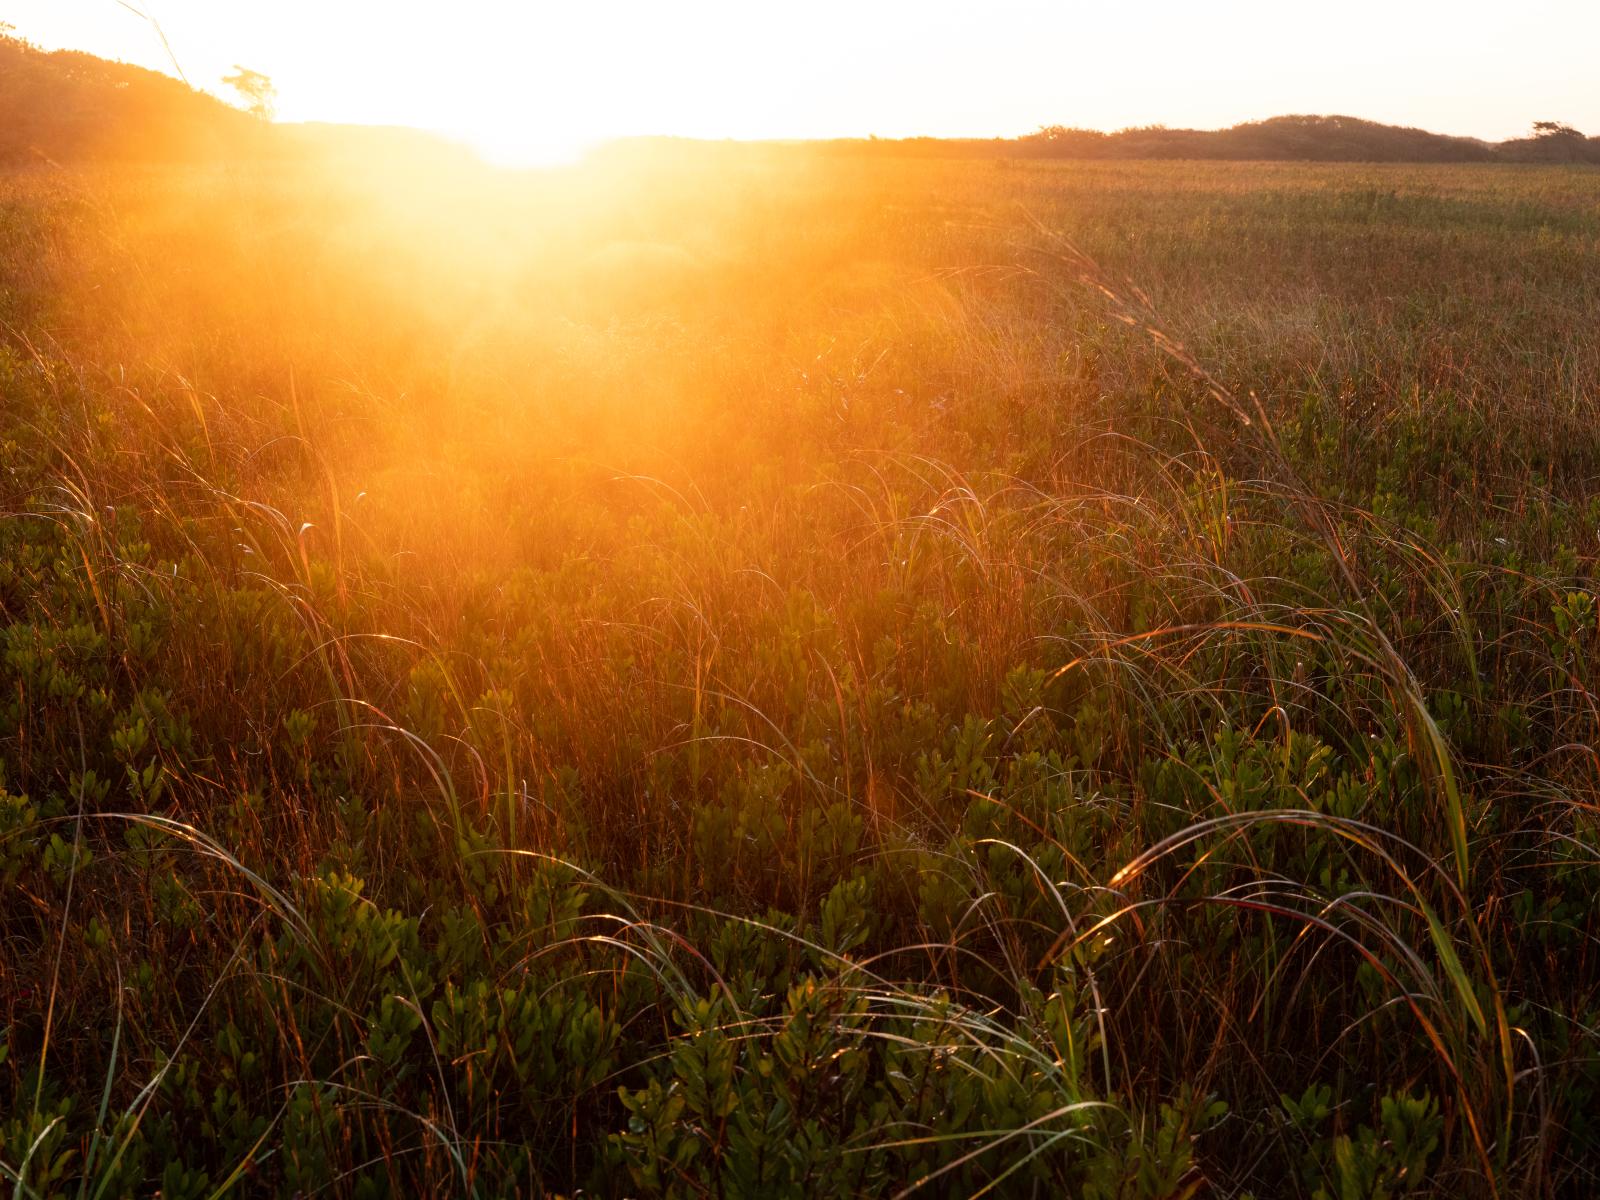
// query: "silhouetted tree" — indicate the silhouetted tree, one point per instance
point(1556, 141)
point(256, 91)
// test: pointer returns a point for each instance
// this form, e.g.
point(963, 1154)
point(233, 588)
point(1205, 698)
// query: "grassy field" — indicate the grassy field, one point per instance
point(769, 674)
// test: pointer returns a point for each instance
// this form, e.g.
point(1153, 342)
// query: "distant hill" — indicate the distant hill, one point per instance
point(1313, 138)
point(1309, 139)
point(1299, 138)
point(65, 105)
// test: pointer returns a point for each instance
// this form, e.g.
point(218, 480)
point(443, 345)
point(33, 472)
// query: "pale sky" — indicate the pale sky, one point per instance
point(530, 79)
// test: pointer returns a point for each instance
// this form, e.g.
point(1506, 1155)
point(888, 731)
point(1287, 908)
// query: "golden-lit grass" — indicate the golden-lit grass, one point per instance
point(990, 674)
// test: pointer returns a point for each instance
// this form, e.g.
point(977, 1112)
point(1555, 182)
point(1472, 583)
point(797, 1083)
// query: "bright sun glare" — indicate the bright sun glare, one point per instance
point(511, 147)
point(538, 82)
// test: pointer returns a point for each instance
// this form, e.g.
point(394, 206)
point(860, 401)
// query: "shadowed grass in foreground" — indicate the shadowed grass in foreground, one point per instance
point(841, 678)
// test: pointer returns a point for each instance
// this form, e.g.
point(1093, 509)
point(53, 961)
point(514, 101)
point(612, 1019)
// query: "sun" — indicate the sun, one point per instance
point(515, 145)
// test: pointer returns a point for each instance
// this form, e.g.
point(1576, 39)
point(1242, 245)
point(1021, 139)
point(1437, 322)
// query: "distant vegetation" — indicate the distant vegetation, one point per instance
point(799, 676)
point(1313, 139)
point(1279, 139)
point(67, 105)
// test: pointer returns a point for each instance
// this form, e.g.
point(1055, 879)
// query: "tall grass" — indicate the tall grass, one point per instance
point(841, 678)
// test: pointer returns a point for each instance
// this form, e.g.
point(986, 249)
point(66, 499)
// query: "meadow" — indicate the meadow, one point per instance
point(730, 673)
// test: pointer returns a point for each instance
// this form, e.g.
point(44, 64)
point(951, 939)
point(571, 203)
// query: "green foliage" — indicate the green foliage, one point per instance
point(1378, 1162)
point(873, 724)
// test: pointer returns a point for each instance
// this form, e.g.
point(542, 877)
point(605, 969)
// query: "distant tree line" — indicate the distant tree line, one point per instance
point(64, 105)
point(1312, 138)
point(1299, 138)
